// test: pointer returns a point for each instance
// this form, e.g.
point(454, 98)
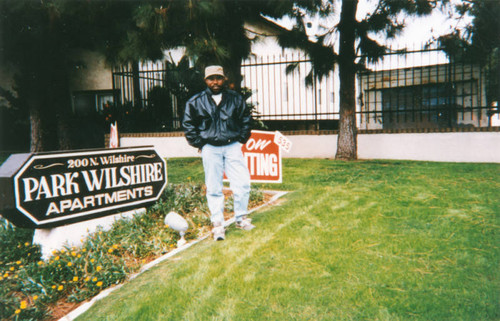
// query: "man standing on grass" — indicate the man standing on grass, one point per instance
point(217, 122)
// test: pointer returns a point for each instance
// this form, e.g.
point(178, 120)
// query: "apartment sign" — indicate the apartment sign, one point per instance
point(263, 155)
point(56, 189)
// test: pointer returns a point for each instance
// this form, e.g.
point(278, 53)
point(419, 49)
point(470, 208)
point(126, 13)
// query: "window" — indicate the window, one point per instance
point(89, 102)
point(428, 106)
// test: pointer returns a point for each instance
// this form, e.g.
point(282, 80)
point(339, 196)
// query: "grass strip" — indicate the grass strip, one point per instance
point(367, 240)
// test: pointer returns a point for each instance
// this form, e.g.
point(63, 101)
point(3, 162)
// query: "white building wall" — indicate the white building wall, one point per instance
point(477, 147)
point(91, 72)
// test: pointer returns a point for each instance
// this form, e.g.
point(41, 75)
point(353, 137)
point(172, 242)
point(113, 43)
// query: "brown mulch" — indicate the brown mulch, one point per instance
point(228, 193)
point(61, 308)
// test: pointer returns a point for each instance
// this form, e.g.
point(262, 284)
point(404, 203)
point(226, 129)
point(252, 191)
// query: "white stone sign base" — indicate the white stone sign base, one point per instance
point(73, 235)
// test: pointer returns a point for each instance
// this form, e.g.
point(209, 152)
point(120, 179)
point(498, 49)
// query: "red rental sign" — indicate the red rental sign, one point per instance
point(263, 157)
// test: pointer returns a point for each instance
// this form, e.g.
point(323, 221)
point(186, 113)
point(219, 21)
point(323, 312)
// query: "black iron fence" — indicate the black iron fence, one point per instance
point(141, 91)
point(417, 89)
point(425, 89)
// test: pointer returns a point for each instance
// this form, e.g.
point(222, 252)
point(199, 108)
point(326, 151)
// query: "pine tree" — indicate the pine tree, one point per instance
point(213, 31)
point(355, 38)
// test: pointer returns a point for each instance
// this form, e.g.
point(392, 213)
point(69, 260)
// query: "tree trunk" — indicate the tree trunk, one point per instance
point(37, 132)
point(61, 99)
point(49, 105)
point(65, 140)
point(36, 141)
point(347, 138)
point(233, 73)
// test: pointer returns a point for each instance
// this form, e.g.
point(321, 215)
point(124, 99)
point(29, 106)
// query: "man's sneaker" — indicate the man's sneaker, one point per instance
point(219, 232)
point(245, 224)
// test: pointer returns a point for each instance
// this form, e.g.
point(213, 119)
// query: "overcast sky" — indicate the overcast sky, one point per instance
point(418, 30)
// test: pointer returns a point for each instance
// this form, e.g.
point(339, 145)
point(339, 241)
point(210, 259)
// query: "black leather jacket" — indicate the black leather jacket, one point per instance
point(207, 123)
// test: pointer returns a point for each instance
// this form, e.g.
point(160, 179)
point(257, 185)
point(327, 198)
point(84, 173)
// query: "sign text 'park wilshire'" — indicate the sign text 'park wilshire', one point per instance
point(57, 189)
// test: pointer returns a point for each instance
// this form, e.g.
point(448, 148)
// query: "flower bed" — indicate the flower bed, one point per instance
point(32, 289)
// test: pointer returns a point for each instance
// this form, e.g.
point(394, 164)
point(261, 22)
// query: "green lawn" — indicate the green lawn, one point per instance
point(367, 240)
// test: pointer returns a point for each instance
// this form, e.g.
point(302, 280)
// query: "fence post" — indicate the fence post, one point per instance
point(136, 86)
point(315, 88)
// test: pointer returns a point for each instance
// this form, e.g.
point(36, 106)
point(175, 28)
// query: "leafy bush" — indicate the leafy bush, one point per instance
point(29, 287)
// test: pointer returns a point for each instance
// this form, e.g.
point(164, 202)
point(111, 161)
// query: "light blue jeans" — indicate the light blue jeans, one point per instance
point(228, 159)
